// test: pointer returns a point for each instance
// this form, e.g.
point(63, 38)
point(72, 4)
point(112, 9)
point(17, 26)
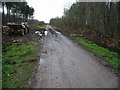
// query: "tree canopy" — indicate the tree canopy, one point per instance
point(18, 10)
point(102, 17)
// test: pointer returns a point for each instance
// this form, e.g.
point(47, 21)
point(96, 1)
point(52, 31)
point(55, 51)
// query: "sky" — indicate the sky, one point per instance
point(47, 9)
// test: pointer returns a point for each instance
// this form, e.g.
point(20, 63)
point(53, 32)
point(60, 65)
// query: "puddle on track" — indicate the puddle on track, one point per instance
point(41, 61)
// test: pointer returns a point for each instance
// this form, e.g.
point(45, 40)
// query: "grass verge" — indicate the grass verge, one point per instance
point(1, 76)
point(110, 57)
point(41, 26)
point(18, 64)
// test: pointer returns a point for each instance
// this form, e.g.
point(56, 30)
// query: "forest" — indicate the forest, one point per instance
point(96, 21)
point(16, 12)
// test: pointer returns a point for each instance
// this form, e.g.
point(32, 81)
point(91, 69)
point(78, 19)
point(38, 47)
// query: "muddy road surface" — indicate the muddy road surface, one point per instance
point(64, 64)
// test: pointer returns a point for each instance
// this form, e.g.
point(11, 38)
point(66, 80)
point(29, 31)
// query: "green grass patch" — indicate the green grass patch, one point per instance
point(39, 27)
point(0, 70)
point(110, 57)
point(17, 65)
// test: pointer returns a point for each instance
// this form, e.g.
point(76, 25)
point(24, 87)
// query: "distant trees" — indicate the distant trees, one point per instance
point(41, 23)
point(102, 17)
point(55, 21)
point(16, 11)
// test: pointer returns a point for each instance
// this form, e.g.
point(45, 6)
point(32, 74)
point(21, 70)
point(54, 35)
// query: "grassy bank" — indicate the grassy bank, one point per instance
point(40, 26)
point(0, 68)
point(18, 64)
point(110, 57)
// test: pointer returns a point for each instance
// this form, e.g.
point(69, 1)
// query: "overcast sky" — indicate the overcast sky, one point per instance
point(47, 9)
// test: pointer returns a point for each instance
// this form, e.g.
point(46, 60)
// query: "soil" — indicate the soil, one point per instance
point(107, 41)
point(30, 37)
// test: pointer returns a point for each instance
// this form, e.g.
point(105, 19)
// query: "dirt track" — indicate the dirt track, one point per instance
point(63, 64)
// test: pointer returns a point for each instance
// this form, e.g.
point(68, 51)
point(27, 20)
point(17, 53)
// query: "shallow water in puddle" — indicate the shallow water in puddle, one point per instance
point(41, 61)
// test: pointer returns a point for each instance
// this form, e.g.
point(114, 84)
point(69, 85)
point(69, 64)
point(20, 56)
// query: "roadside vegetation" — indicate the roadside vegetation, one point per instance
point(96, 26)
point(110, 57)
point(96, 21)
point(19, 61)
point(40, 26)
point(0, 68)
point(19, 58)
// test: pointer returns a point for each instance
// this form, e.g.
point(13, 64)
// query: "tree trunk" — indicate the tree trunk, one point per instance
point(8, 14)
point(3, 15)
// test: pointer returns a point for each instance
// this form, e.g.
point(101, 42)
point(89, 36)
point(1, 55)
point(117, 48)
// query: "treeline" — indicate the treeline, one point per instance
point(16, 12)
point(102, 17)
